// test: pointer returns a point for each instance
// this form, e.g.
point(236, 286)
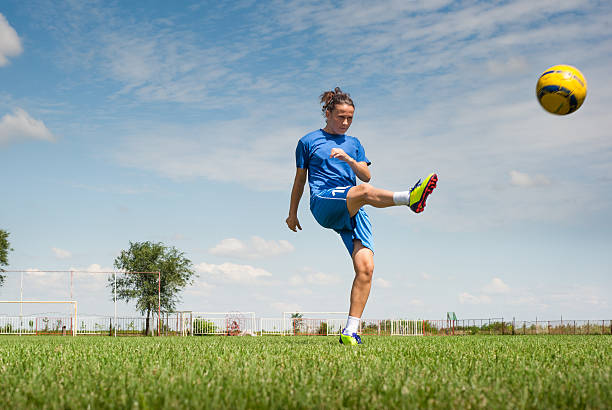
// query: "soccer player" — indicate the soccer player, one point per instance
point(332, 160)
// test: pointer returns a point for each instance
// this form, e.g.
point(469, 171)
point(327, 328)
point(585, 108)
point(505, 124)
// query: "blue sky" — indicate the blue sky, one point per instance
point(178, 123)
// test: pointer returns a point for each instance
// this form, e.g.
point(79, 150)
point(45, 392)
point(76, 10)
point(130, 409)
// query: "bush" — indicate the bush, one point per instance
point(200, 326)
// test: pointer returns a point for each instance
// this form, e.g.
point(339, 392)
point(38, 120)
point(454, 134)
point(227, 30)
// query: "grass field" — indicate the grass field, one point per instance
point(307, 372)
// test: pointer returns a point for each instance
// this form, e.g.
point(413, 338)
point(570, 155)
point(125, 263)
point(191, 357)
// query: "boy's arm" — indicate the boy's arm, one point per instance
point(296, 194)
point(360, 168)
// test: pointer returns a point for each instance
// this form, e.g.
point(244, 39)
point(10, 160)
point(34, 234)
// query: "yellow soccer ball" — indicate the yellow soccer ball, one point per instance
point(561, 89)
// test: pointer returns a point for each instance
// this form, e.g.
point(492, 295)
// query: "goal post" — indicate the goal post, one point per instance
point(74, 285)
point(9, 323)
point(223, 323)
point(407, 327)
point(313, 323)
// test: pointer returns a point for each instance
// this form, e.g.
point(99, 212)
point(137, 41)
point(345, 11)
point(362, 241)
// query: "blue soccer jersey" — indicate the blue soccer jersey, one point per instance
point(313, 152)
point(330, 179)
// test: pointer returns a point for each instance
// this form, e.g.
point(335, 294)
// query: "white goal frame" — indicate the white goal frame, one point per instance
point(407, 327)
point(12, 319)
point(223, 323)
point(114, 273)
point(311, 323)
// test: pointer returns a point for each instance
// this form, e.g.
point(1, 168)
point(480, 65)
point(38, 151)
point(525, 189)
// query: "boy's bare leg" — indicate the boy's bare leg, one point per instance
point(363, 263)
point(415, 198)
point(366, 194)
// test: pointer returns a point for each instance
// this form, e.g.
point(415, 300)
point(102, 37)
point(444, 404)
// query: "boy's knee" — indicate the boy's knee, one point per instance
point(365, 271)
point(363, 262)
point(367, 189)
point(362, 190)
point(364, 278)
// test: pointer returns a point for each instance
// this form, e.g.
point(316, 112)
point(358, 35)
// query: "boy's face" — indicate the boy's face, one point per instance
point(339, 120)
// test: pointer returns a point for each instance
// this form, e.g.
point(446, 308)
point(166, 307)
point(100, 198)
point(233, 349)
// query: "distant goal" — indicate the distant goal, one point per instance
point(313, 323)
point(223, 323)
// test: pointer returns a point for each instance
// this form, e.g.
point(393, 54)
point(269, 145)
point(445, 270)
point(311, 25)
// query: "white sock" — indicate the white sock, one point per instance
point(352, 325)
point(401, 198)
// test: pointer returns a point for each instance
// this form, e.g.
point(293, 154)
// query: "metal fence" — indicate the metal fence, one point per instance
point(272, 326)
point(220, 323)
point(464, 327)
point(196, 324)
point(561, 327)
point(85, 325)
point(498, 326)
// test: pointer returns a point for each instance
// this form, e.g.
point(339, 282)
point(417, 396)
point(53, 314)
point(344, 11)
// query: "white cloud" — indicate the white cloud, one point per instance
point(47, 285)
point(153, 60)
point(61, 253)
point(200, 287)
point(320, 278)
point(35, 271)
point(467, 50)
point(313, 278)
point(93, 268)
point(232, 272)
point(524, 180)
point(296, 280)
point(286, 307)
point(92, 277)
point(302, 291)
point(87, 284)
point(10, 44)
point(466, 298)
point(512, 65)
point(196, 156)
point(382, 283)
point(20, 125)
point(230, 245)
point(496, 286)
point(256, 248)
point(577, 296)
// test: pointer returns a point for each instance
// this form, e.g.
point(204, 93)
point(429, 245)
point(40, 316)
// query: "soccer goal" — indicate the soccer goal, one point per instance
point(223, 323)
point(53, 322)
point(313, 323)
point(177, 322)
point(405, 327)
point(101, 310)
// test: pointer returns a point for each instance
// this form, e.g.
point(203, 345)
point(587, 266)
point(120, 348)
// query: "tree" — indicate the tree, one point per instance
point(176, 273)
point(297, 321)
point(5, 248)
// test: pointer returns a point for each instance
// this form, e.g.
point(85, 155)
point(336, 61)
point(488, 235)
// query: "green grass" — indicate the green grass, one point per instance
point(307, 372)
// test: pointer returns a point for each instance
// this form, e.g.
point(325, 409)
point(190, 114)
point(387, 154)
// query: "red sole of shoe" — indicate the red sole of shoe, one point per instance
point(431, 185)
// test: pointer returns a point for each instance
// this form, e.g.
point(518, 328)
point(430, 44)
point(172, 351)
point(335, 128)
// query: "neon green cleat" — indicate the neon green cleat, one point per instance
point(351, 340)
point(420, 191)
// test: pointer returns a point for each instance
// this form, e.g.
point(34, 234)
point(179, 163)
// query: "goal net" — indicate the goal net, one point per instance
point(313, 323)
point(49, 319)
point(406, 327)
point(223, 323)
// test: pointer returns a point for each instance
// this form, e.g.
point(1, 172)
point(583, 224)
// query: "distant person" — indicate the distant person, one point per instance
point(332, 160)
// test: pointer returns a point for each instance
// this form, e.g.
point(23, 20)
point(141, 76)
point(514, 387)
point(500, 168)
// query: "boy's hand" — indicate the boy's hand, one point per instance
point(293, 222)
point(340, 154)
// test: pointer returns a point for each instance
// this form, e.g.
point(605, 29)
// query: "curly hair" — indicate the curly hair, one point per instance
point(329, 99)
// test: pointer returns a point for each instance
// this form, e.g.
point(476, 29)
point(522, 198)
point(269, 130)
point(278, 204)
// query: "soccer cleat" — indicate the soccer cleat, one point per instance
point(350, 340)
point(420, 191)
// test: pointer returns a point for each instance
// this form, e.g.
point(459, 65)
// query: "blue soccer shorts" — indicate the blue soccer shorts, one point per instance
point(329, 209)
